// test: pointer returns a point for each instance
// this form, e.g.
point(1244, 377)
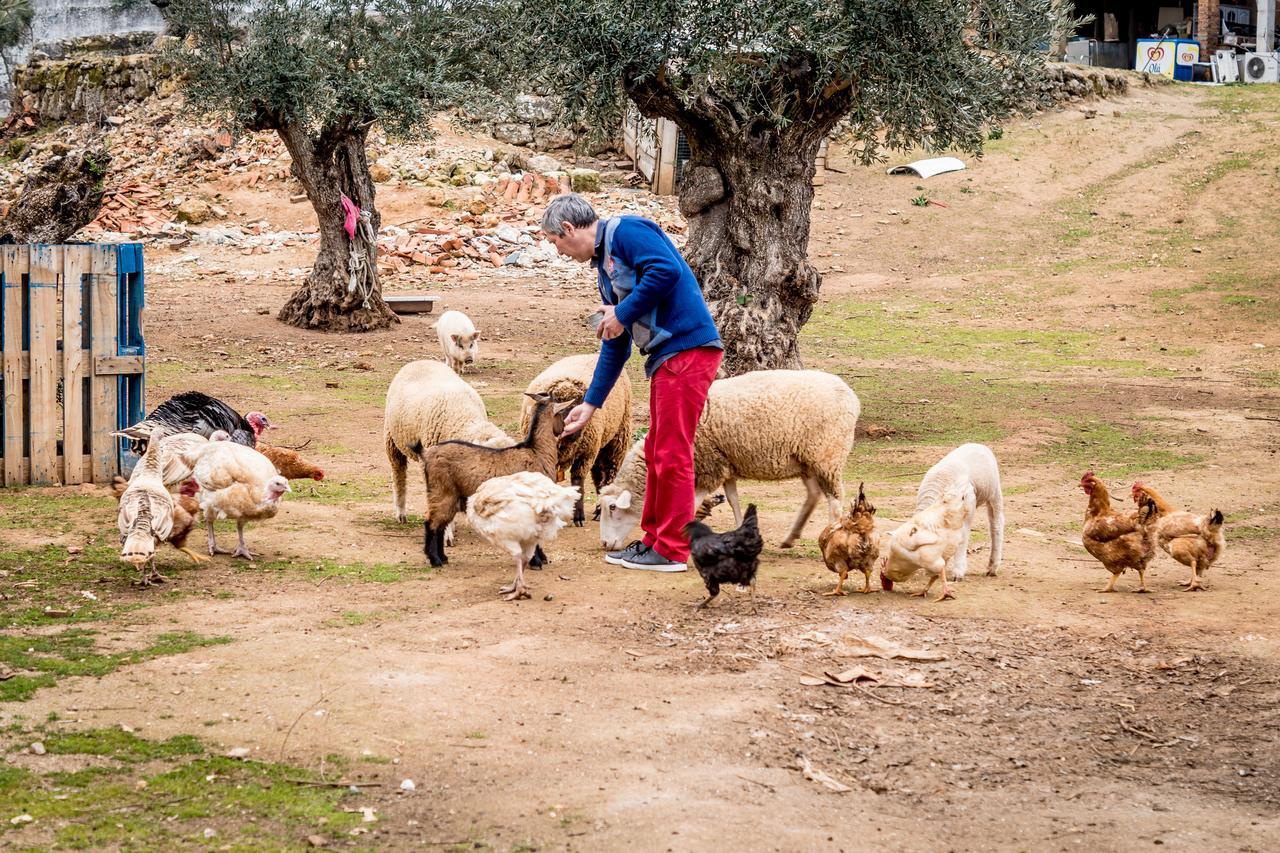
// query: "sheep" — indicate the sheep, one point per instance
point(453, 470)
point(764, 425)
point(969, 465)
point(518, 512)
point(428, 403)
point(601, 444)
point(458, 337)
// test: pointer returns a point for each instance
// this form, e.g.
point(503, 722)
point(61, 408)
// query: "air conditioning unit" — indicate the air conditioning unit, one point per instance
point(1260, 68)
point(1226, 69)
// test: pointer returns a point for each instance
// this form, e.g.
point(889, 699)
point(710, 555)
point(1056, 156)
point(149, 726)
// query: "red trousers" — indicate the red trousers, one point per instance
point(677, 393)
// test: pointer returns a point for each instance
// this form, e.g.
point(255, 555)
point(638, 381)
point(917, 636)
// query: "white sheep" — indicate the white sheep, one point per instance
point(598, 447)
point(428, 403)
point(764, 425)
point(519, 512)
point(458, 339)
point(969, 465)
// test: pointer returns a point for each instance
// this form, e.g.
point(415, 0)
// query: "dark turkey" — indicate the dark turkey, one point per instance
point(195, 412)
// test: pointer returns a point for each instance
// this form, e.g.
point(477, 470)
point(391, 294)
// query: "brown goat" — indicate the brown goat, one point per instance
point(455, 469)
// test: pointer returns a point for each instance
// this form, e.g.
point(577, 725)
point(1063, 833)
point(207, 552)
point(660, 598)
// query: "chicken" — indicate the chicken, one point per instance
point(1118, 541)
point(850, 544)
point(1196, 541)
point(518, 512)
point(929, 541)
point(201, 414)
point(145, 514)
point(732, 557)
point(235, 482)
point(185, 510)
point(290, 463)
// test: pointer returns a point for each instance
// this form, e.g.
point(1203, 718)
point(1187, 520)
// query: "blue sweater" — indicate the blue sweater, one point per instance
point(661, 302)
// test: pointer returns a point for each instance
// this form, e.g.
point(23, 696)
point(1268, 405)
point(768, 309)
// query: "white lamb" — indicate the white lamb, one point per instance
point(763, 425)
point(519, 512)
point(458, 339)
point(428, 403)
point(969, 465)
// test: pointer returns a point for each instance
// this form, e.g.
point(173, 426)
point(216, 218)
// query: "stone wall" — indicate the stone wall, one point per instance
point(89, 86)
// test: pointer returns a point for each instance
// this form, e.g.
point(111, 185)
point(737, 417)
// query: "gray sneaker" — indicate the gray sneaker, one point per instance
point(616, 558)
point(650, 560)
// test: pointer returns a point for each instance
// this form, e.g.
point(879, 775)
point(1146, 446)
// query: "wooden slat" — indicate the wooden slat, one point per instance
point(42, 304)
point(118, 365)
point(76, 262)
point(16, 264)
point(103, 394)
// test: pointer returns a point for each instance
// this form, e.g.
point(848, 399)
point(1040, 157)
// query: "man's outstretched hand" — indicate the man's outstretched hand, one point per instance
point(579, 414)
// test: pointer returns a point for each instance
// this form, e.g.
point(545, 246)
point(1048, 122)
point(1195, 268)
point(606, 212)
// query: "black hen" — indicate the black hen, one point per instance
point(731, 557)
point(195, 412)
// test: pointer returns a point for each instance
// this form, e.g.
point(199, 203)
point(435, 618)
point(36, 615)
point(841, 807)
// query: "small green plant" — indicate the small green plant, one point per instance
point(921, 200)
point(995, 133)
point(966, 189)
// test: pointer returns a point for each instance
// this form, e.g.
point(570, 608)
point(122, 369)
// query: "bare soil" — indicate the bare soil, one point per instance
point(605, 713)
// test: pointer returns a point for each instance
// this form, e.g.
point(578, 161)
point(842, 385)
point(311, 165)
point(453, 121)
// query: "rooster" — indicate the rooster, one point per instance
point(849, 544)
point(235, 482)
point(732, 557)
point(1118, 541)
point(145, 515)
point(929, 541)
point(518, 512)
point(195, 412)
point(1196, 541)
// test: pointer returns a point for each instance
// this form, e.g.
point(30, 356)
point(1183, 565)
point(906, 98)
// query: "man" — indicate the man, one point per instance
point(649, 296)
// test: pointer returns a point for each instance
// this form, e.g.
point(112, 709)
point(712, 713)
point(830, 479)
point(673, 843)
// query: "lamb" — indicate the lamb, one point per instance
point(428, 403)
point(458, 337)
point(931, 540)
point(518, 512)
point(764, 425)
point(454, 470)
point(599, 446)
point(974, 465)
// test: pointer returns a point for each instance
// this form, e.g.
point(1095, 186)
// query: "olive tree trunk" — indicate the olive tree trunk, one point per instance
point(328, 165)
point(748, 211)
point(747, 191)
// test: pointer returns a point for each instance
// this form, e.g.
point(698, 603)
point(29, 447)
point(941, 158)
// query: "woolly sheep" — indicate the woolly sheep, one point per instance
point(458, 339)
point(969, 465)
point(764, 425)
point(601, 444)
point(428, 403)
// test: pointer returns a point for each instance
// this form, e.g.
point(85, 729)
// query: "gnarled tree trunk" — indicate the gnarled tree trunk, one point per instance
point(747, 192)
point(747, 202)
point(329, 165)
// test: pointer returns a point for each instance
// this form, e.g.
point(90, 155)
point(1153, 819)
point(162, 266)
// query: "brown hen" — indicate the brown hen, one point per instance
point(1118, 541)
point(849, 544)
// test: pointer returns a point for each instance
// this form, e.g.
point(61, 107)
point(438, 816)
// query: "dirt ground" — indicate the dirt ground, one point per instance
point(1094, 292)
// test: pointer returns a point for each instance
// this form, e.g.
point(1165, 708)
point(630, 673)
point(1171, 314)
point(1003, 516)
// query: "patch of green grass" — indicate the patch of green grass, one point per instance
point(51, 510)
point(932, 331)
point(36, 579)
point(333, 492)
point(1112, 450)
point(355, 618)
point(327, 567)
point(183, 790)
point(42, 659)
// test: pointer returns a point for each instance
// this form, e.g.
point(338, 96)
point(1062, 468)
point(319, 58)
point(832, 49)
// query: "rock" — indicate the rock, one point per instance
point(507, 233)
point(407, 785)
point(194, 211)
point(38, 748)
point(535, 109)
point(477, 207)
point(513, 133)
point(238, 752)
point(379, 173)
point(584, 180)
point(317, 840)
point(20, 819)
point(434, 196)
point(555, 137)
point(59, 199)
point(545, 163)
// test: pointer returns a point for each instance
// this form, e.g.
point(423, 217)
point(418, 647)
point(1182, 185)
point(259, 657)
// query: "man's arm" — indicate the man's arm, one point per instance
point(613, 357)
point(649, 253)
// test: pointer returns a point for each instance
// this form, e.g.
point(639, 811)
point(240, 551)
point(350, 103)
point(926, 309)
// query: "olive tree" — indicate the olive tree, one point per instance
point(756, 86)
point(321, 74)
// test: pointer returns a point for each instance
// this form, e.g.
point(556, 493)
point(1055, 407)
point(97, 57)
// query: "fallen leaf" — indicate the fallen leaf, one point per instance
point(878, 647)
point(851, 675)
point(814, 775)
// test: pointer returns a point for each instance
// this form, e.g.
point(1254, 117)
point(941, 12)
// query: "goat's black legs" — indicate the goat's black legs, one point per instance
point(433, 544)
